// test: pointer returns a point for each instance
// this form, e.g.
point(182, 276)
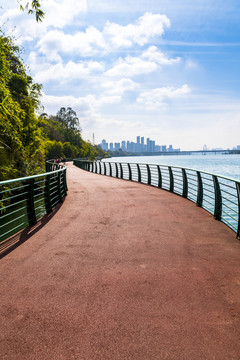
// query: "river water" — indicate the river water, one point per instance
point(220, 164)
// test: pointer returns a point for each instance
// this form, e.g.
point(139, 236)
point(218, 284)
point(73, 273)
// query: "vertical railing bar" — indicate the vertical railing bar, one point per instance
point(149, 174)
point(59, 187)
point(185, 184)
point(200, 190)
point(130, 172)
point(139, 173)
point(121, 171)
point(48, 202)
point(238, 193)
point(116, 166)
point(31, 208)
point(171, 185)
point(105, 169)
point(159, 176)
point(110, 169)
point(65, 181)
point(218, 199)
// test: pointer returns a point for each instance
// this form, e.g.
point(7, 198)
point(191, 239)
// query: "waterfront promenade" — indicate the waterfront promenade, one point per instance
point(122, 271)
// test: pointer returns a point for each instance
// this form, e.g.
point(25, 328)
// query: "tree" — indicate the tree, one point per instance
point(68, 117)
point(22, 151)
point(70, 151)
point(54, 149)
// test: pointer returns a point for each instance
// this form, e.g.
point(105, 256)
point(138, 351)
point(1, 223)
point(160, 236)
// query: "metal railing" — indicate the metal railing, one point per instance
point(217, 194)
point(25, 200)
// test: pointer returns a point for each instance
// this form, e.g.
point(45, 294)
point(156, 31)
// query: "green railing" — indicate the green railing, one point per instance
point(24, 201)
point(215, 193)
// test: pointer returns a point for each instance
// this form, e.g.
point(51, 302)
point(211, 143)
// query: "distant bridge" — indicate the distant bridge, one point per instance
point(185, 152)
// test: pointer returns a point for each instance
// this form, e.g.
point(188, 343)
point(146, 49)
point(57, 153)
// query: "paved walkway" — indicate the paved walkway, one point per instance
point(122, 271)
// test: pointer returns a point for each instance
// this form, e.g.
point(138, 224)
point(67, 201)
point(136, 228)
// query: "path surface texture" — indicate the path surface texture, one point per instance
point(122, 271)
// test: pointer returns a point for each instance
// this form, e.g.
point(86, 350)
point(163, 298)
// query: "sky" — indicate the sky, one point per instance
point(164, 69)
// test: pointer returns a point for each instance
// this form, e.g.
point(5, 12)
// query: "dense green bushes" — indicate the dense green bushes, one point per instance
point(27, 139)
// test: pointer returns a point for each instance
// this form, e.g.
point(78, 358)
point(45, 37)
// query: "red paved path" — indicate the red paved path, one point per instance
point(122, 271)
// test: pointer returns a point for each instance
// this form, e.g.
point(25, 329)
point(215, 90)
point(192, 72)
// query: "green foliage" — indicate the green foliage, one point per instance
point(25, 139)
point(22, 151)
point(54, 149)
point(33, 7)
point(70, 151)
point(64, 128)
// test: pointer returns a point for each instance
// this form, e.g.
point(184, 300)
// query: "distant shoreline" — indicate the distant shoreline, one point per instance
point(171, 153)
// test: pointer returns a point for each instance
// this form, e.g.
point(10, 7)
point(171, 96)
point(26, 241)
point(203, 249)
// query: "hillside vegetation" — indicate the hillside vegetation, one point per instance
point(27, 139)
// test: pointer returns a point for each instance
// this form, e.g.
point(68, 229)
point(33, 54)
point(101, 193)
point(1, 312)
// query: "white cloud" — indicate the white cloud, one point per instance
point(157, 98)
point(113, 36)
point(59, 13)
point(88, 43)
point(147, 63)
point(131, 66)
point(67, 72)
point(119, 87)
point(154, 55)
point(146, 28)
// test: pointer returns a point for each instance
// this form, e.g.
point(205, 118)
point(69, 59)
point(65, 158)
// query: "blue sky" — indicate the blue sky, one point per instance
point(164, 69)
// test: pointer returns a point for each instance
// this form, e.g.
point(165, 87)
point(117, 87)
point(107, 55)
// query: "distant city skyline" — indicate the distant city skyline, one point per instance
point(140, 146)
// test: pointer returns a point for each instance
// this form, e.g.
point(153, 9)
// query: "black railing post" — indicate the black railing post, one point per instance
point(95, 162)
point(65, 181)
point(171, 179)
point(200, 190)
point(31, 208)
point(110, 169)
point(130, 172)
point(238, 193)
point(185, 184)
point(59, 187)
point(116, 169)
point(149, 174)
point(159, 177)
point(105, 170)
point(218, 199)
point(139, 173)
point(121, 171)
point(48, 202)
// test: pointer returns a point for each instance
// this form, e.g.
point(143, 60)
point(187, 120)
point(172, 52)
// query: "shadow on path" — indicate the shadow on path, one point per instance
point(16, 240)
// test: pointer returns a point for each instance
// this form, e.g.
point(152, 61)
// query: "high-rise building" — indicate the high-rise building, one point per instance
point(148, 144)
point(111, 147)
point(138, 145)
point(142, 144)
point(104, 145)
point(116, 146)
point(123, 146)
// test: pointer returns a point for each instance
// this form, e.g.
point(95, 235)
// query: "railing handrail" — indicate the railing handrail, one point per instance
point(31, 197)
point(33, 176)
point(218, 194)
point(177, 167)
